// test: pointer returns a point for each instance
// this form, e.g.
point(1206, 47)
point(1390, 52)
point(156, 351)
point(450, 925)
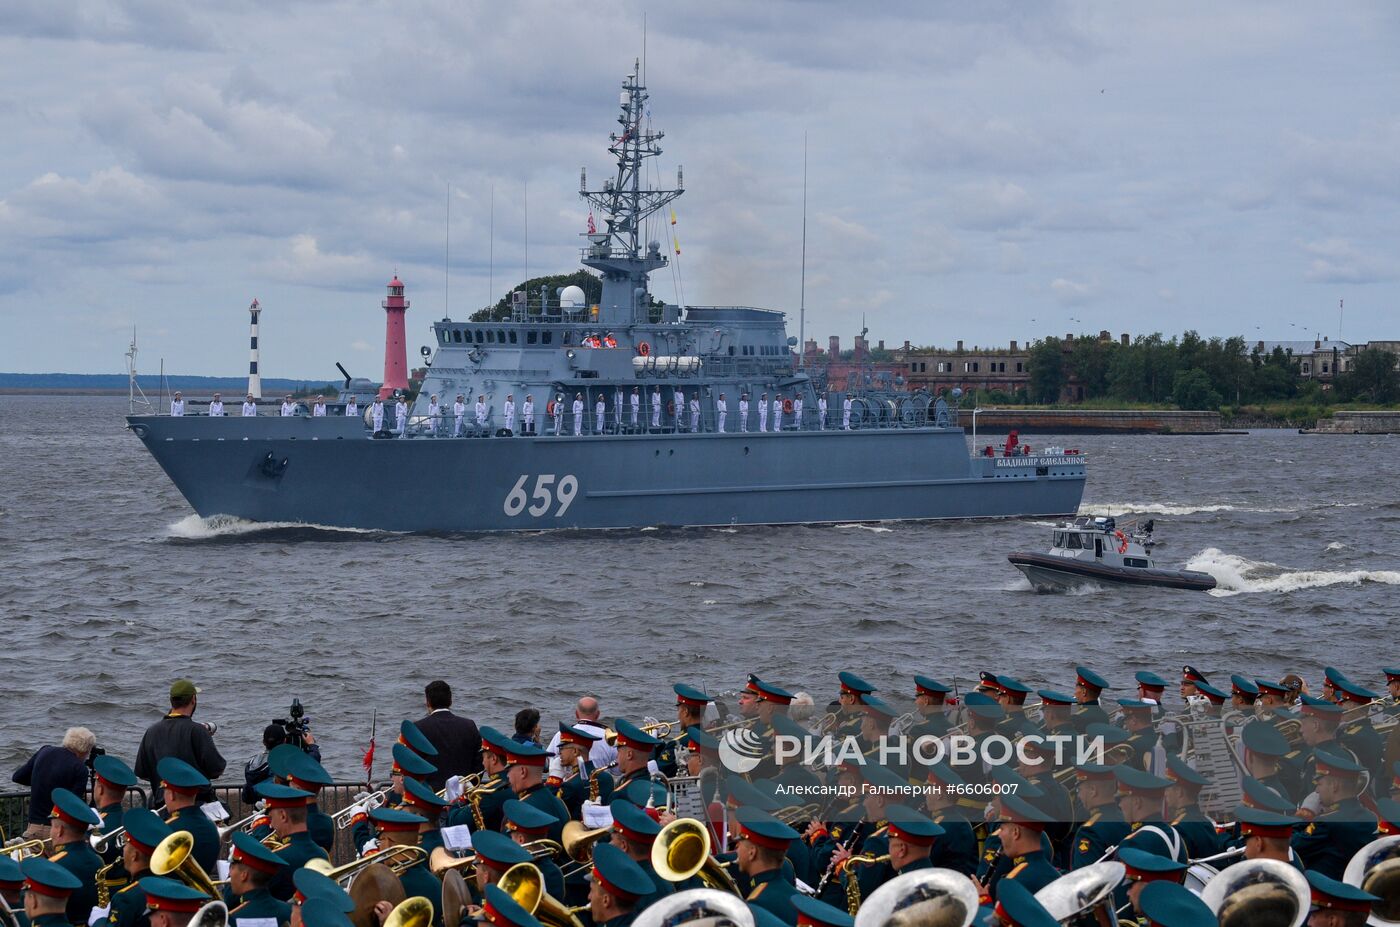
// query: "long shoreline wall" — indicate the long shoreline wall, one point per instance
point(1091, 421)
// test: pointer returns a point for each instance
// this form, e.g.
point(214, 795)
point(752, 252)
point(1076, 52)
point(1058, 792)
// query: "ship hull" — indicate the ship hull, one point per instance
point(326, 472)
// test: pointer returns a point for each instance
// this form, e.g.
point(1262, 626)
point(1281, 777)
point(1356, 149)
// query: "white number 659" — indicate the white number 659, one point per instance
point(564, 491)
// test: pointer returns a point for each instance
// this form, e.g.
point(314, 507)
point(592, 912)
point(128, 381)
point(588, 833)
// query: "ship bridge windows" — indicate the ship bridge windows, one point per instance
point(500, 336)
point(457, 337)
point(490, 336)
point(1072, 542)
point(1059, 539)
point(1135, 562)
point(546, 337)
point(512, 336)
point(532, 337)
point(479, 336)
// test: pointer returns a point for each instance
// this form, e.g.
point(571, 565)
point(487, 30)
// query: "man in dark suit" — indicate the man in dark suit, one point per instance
point(457, 740)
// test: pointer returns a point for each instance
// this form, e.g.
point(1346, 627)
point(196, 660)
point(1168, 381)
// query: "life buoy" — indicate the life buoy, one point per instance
point(549, 407)
point(670, 408)
point(787, 406)
point(1122, 541)
point(644, 349)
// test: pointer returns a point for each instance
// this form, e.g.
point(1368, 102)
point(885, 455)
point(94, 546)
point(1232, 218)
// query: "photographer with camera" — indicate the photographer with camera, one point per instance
point(295, 729)
point(179, 735)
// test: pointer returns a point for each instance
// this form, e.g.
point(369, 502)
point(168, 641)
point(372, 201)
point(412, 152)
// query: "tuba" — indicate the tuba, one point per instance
point(578, 843)
point(214, 914)
point(928, 897)
point(718, 909)
point(1376, 869)
point(412, 912)
point(1259, 893)
point(1084, 896)
point(175, 856)
point(682, 850)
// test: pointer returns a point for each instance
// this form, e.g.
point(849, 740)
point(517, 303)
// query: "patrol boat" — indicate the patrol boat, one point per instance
point(686, 457)
point(1093, 550)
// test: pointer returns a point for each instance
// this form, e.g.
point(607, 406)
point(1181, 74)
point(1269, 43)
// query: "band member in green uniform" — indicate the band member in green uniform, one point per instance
point(526, 824)
point(144, 832)
point(762, 846)
point(1184, 811)
point(581, 781)
point(69, 823)
point(12, 889)
point(690, 712)
point(635, 749)
point(1345, 826)
point(501, 910)
point(633, 832)
point(1089, 686)
point(1141, 869)
point(930, 701)
point(420, 799)
point(396, 827)
point(617, 884)
point(182, 784)
point(286, 809)
point(252, 867)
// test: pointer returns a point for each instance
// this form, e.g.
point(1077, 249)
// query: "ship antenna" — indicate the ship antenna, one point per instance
point(527, 229)
point(491, 253)
point(447, 256)
point(802, 298)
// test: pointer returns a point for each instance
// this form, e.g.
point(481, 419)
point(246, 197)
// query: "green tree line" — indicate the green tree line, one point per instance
point(1198, 373)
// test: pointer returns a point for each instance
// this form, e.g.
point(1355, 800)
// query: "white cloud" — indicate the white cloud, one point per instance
point(1337, 260)
point(1074, 292)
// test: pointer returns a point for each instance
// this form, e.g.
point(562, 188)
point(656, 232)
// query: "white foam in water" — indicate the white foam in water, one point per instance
point(1338, 545)
point(878, 529)
point(196, 528)
point(1158, 508)
point(1235, 575)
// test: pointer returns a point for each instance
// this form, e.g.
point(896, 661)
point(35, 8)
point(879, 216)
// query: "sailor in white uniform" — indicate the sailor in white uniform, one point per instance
point(177, 405)
point(376, 414)
point(600, 411)
point(319, 409)
point(797, 411)
point(434, 413)
point(216, 406)
point(778, 412)
point(617, 409)
point(250, 408)
point(481, 412)
point(743, 411)
point(527, 414)
point(846, 414)
point(821, 412)
point(763, 412)
point(721, 410)
point(559, 414)
point(656, 407)
point(510, 412)
point(678, 399)
point(636, 401)
point(459, 412)
point(352, 408)
point(401, 416)
point(695, 412)
point(289, 408)
point(578, 413)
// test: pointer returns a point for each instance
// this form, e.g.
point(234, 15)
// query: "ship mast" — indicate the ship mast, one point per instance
point(616, 250)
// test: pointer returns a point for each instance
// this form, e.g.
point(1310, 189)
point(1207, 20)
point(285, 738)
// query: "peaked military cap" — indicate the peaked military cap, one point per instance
point(1333, 675)
point(1210, 692)
point(73, 809)
point(1387, 817)
point(112, 770)
point(164, 894)
point(1166, 904)
point(1356, 693)
point(642, 792)
point(881, 776)
point(1051, 697)
point(48, 878)
point(875, 705)
point(771, 693)
point(911, 826)
point(762, 917)
point(414, 739)
point(763, 829)
point(1337, 896)
point(1111, 733)
point(1258, 795)
point(422, 798)
point(618, 875)
point(410, 764)
point(145, 830)
point(984, 706)
point(249, 851)
point(1189, 672)
point(280, 757)
point(1268, 685)
point(1392, 673)
point(1263, 738)
point(324, 912)
point(629, 735)
point(1094, 771)
point(11, 877)
point(1133, 779)
point(311, 884)
point(304, 772)
point(944, 774)
point(282, 796)
point(1017, 809)
point(850, 682)
point(927, 685)
point(743, 794)
point(525, 817)
point(1335, 763)
point(1150, 680)
point(1262, 822)
point(1141, 866)
point(1181, 772)
point(1133, 704)
point(1243, 685)
point(181, 776)
point(498, 850)
point(814, 913)
point(396, 819)
point(578, 736)
point(1088, 677)
point(1012, 685)
point(1005, 775)
point(1016, 904)
point(519, 754)
point(689, 695)
point(499, 908)
point(634, 823)
point(700, 739)
point(1320, 707)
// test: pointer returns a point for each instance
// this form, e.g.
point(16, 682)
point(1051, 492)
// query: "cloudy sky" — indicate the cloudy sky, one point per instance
point(978, 171)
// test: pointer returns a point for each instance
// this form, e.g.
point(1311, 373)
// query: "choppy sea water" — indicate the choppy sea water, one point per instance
point(111, 588)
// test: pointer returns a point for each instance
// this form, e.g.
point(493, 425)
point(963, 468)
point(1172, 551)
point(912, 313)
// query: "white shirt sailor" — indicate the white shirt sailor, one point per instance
point(216, 409)
point(434, 410)
point(678, 400)
point(250, 409)
point(743, 413)
point(778, 412)
point(376, 414)
point(656, 407)
point(797, 411)
point(846, 414)
point(177, 407)
point(559, 414)
point(721, 410)
point(481, 411)
point(821, 412)
point(401, 415)
point(459, 412)
point(319, 409)
point(510, 414)
point(763, 412)
point(578, 415)
point(694, 411)
point(527, 414)
point(600, 411)
point(636, 400)
point(352, 408)
point(289, 408)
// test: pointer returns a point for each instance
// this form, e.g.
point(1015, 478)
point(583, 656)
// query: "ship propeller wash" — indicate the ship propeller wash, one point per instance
point(636, 418)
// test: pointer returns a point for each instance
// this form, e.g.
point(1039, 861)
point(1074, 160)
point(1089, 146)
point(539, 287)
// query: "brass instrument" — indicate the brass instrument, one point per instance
point(1259, 891)
point(935, 897)
point(175, 856)
point(214, 914)
point(1084, 895)
point(853, 883)
point(1116, 755)
point(466, 783)
point(398, 858)
point(1376, 868)
point(525, 883)
point(412, 912)
point(595, 788)
point(578, 844)
point(346, 816)
point(7, 914)
point(244, 824)
point(826, 724)
point(441, 860)
point(683, 849)
point(22, 849)
point(273, 842)
point(696, 904)
point(731, 725)
point(658, 729)
point(105, 885)
point(99, 841)
point(796, 814)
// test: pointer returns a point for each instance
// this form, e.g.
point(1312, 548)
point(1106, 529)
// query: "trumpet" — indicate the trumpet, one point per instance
point(26, 848)
point(99, 841)
point(465, 783)
point(742, 722)
point(796, 814)
point(235, 826)
point(658, 729)
point(399, 858)
point(346, 816)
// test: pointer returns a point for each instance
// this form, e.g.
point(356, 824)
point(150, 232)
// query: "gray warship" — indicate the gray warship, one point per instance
point(683, 455)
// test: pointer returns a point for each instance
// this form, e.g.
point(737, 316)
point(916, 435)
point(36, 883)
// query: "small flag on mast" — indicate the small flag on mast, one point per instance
point(369, 754)
point(592, 228)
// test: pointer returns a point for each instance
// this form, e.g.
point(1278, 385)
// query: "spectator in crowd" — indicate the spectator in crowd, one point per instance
point(456, 738)
point(63, 767)
point(527, 727)
point(179, 735)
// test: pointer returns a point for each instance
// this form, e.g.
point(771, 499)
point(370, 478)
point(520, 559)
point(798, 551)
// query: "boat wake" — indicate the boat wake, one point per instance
point(229, 527)
point(877, 529)
point(1167, 508)
point(1235, 575)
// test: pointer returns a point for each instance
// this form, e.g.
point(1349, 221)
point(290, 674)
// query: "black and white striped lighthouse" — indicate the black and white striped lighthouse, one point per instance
point(254, 378)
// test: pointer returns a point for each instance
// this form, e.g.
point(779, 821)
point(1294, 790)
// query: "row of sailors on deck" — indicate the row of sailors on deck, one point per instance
point(784, 412)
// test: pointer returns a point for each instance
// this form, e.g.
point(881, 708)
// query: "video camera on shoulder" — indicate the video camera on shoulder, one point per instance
point(296, 726)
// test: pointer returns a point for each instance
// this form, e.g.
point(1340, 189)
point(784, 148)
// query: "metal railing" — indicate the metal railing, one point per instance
point(649, 419)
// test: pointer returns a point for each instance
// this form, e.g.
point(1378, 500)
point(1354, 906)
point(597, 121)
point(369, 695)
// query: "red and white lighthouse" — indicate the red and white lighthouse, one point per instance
point(395, 350)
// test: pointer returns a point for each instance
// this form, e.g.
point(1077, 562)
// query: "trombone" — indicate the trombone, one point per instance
point(410, 853)
point(235, 826)
point(346, 816)
point(578, 843)
point(99, 841)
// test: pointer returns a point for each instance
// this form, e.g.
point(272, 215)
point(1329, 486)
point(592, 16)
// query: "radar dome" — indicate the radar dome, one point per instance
point(571, 297)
